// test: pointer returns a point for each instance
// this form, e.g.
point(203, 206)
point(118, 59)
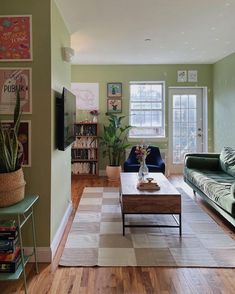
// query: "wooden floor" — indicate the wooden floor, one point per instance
point(135, 280)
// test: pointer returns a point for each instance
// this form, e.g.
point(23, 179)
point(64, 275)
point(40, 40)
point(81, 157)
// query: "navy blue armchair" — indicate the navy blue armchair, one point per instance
point(153, 160)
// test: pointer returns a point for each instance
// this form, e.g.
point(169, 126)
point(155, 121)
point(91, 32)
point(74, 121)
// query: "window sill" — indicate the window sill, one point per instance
point(154, 139)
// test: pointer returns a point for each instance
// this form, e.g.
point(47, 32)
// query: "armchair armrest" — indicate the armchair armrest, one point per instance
point(209, 161)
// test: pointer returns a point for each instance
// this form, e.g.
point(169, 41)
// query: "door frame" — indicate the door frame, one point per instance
point(204, 120)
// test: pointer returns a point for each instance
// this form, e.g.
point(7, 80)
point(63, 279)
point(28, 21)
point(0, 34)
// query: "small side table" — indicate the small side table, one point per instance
point(23, 211)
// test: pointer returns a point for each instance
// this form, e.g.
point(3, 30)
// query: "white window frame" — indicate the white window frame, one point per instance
point(163, 110)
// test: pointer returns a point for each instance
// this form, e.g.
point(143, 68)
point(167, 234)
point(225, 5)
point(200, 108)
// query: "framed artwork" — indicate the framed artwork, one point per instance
point(192, 76)
point(87, 95)
point(114, 90)
point(12, 80)
point(182, 76)
point(114, 105)
point(24, 139)
point(16, 38)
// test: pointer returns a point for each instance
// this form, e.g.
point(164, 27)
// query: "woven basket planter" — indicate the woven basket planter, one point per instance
point(12, 187)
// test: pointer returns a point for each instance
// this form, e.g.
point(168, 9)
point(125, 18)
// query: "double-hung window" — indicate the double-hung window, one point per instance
point(147, 110)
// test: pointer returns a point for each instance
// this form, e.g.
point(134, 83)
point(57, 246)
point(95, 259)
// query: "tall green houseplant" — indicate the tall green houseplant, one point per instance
point(9, 161)
point(114, 139)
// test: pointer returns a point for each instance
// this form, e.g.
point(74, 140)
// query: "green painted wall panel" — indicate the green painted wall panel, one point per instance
point(60, 160)
point(224, 102)
point(126, 73)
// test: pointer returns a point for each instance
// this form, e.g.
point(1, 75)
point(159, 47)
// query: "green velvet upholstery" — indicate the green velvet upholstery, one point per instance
point(205, 174)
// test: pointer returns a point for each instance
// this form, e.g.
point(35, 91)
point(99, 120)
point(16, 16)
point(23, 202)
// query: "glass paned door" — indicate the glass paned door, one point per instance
point(186, 125)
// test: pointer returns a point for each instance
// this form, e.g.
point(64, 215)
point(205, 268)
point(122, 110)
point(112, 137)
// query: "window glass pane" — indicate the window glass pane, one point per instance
point(192, 115)
point(192, 101)
point(184, 101)
point(176, 115)
point(176, 101)
point(184, 115)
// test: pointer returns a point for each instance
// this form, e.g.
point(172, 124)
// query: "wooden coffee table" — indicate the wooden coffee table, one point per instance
point(165, 201)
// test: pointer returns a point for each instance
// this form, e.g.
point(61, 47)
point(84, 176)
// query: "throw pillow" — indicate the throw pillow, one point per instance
point(227, 160)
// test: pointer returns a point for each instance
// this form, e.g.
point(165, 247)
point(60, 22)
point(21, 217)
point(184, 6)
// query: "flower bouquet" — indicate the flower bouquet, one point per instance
point(94, 113)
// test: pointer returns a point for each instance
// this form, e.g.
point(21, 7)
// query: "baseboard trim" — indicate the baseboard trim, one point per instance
point(43, 254)
point(58, 236)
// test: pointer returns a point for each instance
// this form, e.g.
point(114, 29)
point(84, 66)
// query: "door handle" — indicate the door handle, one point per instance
point(199, 135)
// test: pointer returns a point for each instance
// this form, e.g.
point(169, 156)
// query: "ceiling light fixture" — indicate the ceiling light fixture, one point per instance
point(147, 40)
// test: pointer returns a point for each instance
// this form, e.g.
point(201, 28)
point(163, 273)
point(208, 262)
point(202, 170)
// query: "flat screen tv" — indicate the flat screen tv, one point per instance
point(66, 117)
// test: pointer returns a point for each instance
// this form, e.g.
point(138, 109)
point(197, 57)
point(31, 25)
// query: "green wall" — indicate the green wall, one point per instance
point(60, 160)
point(126, 73)
point(224, 102)
point(49, 175)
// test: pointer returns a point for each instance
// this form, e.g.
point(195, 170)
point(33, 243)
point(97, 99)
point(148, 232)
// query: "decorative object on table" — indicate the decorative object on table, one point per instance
point(192, 76)
point(114, 144)
point(149, 185)
point(154, 161)
point(11, 81)
point(9, 246)
point(95, 114)
point(16, 38)
point(114, 90)
point(12, 183)
point(181, 76)
point(142, 151)
point(114, 105)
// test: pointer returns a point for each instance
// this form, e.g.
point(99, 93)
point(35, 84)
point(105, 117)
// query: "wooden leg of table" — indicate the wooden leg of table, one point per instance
point(22, 253)
point(123, 224)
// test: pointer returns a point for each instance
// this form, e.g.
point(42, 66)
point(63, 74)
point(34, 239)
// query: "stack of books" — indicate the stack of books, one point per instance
point(9, 247)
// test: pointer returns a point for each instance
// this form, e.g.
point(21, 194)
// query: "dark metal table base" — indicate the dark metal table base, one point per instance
point(179, 223)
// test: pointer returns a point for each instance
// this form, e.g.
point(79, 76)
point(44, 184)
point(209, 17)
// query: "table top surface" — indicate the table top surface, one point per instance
point(129, 185)
point(20, 207)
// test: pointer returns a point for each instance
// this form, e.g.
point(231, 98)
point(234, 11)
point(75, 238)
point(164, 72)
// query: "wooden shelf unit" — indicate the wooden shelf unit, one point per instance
point(85, 149)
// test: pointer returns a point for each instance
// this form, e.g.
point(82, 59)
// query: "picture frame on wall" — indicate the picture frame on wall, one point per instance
point(24, 139)
point(114, 105)
point(192, 76)
point(181, 76)
point(114, 90)
point(11, 81)
point(16, 38)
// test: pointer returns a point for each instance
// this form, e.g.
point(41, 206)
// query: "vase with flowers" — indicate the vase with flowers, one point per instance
point(94, 113)
point(142, 152)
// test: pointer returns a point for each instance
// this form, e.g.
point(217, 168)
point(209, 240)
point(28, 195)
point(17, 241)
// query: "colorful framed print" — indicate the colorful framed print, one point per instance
point(11, 81)
point(114, 105)
point(114, 90)
point(24, 139)
point(16, 38)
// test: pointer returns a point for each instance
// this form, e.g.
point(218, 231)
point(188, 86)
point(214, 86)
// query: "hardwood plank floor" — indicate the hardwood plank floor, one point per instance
point(132, 280)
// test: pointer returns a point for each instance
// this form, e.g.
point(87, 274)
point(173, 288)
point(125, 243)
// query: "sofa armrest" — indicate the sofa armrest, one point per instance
point(209, 161)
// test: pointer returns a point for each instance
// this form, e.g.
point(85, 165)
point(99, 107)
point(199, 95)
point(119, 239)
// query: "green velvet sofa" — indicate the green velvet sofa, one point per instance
point(212, 176)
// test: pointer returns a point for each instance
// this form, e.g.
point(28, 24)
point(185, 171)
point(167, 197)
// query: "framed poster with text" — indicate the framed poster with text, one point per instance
point(16, 38)
point(24, 140)
point(11, 81)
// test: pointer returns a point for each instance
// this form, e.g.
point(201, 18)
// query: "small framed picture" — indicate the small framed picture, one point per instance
point(114, 105)
point(24, 140)
point(114, 90)
point(192, 76)
point(182, 76)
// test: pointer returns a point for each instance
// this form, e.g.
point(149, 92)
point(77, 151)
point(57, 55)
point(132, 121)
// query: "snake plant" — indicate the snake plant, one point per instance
point(9, 160)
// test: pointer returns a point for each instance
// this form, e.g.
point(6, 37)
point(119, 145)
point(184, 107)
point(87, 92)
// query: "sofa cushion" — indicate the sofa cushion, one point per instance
point(202, 162)
point(227, 160)
point(216, 185)
point(232, 189)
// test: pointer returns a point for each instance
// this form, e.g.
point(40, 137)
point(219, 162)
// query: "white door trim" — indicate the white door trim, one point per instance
point(204, 115)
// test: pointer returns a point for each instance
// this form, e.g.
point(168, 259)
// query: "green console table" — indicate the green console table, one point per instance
point(22, 212)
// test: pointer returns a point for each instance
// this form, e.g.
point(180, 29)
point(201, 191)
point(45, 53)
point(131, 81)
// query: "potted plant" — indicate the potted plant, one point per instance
point(12, 183)
point(114, 143)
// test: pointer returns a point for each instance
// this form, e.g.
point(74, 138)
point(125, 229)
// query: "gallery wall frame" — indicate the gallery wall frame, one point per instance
point(114, 90)
point(114, 105)
point(24, 139)
point(13, 79)
point(16, 42)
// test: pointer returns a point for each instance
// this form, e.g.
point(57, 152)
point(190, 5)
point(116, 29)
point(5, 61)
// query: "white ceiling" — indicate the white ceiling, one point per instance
point(180, 31)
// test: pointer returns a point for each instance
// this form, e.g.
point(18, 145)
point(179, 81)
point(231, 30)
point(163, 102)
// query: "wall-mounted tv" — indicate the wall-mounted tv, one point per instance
point(66, 117)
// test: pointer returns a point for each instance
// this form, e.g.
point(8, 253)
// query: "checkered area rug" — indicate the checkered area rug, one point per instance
point(96, 239)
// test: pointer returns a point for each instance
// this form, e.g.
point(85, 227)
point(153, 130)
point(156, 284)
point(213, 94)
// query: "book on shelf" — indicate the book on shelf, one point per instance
point(8, 246)
point(11, 266)
point(7, 225)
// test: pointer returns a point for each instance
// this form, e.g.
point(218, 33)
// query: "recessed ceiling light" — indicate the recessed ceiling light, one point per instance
point(148, 40)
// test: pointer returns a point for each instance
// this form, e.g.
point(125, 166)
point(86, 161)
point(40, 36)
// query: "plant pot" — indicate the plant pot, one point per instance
point(12, 187)
point(113, 172)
